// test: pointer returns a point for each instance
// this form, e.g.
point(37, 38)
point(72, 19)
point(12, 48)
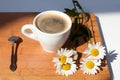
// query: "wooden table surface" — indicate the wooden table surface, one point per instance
point(33, 63)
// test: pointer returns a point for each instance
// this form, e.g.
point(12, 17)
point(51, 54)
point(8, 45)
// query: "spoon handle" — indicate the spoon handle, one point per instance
point(13, 65)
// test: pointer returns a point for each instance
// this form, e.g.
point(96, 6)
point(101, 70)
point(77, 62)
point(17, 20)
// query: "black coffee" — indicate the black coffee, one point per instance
point(51, 23)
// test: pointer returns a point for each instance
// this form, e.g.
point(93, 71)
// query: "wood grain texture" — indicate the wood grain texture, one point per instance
point(33, 63)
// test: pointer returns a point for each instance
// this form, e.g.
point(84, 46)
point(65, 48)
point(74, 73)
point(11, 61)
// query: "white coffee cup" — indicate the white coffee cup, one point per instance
point(50, 42)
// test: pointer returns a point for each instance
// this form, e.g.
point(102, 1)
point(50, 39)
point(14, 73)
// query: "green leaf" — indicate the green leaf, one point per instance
point(71, 12)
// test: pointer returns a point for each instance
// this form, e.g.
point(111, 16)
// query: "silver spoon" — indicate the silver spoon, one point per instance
point(13, 65)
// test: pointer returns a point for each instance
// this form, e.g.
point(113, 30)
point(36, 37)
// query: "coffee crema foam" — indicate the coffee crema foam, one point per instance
point(51, 23)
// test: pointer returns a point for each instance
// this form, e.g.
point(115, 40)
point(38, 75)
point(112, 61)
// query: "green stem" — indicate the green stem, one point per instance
point(76, 4)
point(89, 36)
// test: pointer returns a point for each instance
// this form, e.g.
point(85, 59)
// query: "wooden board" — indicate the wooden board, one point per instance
point(33, 63)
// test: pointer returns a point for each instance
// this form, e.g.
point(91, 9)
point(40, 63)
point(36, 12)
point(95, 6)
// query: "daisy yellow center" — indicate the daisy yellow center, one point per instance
point(62, 59)
point(94, 52)
point(90, 64)
point(66, 66)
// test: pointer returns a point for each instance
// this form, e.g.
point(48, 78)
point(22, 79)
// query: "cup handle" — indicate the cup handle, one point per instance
point(26, 33)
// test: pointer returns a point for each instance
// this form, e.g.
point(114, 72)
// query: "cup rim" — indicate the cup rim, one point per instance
point(59, 13)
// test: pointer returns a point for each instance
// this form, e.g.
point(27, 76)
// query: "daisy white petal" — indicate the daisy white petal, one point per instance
point(65, 52)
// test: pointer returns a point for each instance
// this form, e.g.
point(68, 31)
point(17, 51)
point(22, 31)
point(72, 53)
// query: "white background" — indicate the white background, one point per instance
point(107, 12)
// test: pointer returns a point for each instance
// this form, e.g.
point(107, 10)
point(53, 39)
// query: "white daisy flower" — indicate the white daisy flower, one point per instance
point(96, 51)
point(61, 60)
point(64, 62)
point(90, 66)
point(68, 68)
point(63, 56)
